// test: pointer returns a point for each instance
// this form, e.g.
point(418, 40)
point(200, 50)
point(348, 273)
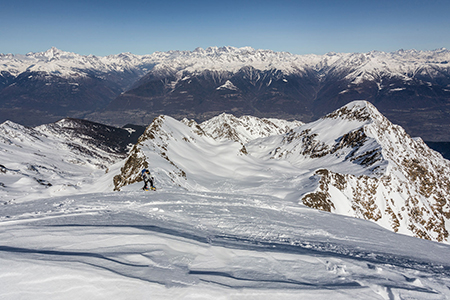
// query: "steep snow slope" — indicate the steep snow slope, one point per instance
point(184, 154)
point(352, 162)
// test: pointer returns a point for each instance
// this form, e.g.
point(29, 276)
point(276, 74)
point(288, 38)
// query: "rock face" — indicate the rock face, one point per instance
point(411, 88)
point(353, 161)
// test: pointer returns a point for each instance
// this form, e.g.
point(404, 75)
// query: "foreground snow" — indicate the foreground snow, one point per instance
point(197, 245)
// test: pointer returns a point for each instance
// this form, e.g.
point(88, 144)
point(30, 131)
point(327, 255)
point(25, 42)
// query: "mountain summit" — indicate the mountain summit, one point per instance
point(374, 169)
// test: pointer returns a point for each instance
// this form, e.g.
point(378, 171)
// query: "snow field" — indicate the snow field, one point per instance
point(183, 245)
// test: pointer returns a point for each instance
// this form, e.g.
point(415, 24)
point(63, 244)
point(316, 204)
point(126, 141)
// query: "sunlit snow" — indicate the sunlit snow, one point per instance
point(235, 231)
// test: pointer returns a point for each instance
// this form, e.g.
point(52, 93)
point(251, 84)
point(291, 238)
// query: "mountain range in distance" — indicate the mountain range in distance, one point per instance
point(411, 88)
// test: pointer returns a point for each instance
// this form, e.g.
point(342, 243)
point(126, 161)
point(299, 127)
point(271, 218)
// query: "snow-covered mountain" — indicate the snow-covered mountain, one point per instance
point(352, 162)
point(244, 208)
point(59, 158)
point(67, 64)
point(412, 88)
point(209, 149)
point(245, 128)
point(43, 87)
point(379, 172)
point(407, 86)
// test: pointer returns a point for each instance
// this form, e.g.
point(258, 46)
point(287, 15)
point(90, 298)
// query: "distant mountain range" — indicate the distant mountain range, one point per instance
point(412, 88)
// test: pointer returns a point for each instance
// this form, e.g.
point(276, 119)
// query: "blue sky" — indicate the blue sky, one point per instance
point(300, 27)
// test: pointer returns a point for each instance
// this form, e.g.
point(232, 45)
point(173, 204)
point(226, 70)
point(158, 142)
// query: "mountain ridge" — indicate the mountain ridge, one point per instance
point(64, 157)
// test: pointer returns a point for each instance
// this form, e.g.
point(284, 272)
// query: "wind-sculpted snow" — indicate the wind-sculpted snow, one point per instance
point(178, 244)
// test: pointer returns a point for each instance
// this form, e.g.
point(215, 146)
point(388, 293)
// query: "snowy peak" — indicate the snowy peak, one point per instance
point(163, 134)
point(361, 111)
point(404, 181)
point(228, 85)
point(112, 140)
point(11, 132)
point(245, 128)
point(53, 53)
point(67, 64)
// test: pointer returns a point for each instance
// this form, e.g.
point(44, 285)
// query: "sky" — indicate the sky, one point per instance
point(103, 27)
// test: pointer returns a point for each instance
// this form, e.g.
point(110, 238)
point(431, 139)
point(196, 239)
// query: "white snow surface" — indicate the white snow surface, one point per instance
point(231, 228)
point(197, 245)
